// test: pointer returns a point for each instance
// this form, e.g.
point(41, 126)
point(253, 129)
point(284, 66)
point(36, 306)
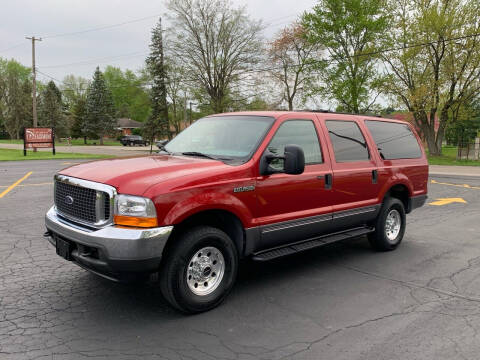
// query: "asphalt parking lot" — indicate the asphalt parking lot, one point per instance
point(339, 302)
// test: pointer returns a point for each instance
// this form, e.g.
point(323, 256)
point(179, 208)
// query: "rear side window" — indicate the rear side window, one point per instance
point(347, 140)
point(394, 140)
point(297, 132)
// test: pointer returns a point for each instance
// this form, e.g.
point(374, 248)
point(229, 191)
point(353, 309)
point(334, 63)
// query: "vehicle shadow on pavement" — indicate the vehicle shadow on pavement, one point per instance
point(144, 299)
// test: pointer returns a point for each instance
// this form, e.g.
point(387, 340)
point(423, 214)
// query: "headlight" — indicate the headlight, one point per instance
point(134, 211)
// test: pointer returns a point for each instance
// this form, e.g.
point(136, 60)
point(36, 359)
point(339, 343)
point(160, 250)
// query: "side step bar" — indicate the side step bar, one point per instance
point(310, 243)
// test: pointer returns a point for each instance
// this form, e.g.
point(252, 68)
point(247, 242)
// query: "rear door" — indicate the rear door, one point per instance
point(355, 174)
point(295, 207)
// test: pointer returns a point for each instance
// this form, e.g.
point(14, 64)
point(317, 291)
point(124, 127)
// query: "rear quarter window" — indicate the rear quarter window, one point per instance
point(394, 140)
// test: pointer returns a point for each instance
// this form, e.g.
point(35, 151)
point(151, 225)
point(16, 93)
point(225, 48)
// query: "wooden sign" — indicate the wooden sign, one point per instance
point(34, 138)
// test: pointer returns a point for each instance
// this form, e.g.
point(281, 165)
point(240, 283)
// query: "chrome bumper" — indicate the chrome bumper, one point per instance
point(118, 246)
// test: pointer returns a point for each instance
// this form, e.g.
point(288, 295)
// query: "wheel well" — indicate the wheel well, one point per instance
point(220, 219)
point(400, 192)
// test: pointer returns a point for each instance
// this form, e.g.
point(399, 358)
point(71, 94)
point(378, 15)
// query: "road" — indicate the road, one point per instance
point(340, 302)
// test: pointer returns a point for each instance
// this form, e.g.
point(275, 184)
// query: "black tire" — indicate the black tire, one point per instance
point(124, 144)
point(175, 267)
point(379, 239)
point(131, 144)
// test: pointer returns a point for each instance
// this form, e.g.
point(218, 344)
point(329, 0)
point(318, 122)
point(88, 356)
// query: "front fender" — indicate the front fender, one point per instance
point(208, 201)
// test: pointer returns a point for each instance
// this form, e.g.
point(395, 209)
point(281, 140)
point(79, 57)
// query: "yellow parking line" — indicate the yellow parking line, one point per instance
point(24, 185)
point(11, 187)
point(465, 186)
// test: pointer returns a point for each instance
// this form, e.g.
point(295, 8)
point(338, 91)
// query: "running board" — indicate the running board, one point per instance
point(310, 244)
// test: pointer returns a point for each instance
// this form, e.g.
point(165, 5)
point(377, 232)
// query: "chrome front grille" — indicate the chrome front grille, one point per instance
point(83, 201)
point(77, 202)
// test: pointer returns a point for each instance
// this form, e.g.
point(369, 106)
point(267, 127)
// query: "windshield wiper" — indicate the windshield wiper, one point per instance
point(196, 153)
point(164, 150)
point(199, 154)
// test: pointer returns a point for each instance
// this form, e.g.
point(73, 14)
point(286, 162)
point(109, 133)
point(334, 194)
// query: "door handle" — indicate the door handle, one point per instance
point(328, 181)
point(374, 176)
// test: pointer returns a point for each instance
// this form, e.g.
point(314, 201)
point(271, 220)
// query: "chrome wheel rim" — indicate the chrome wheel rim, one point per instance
point(205, 271)
point(393, 225)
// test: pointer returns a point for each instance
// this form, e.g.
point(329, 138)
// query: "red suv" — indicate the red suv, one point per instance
point(256, 185)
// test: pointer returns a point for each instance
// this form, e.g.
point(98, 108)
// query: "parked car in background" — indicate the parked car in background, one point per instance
point(256, 185)
point(133, 140)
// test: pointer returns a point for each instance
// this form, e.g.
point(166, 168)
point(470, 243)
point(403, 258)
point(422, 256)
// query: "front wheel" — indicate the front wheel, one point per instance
point(199, 270)
point(389, 226)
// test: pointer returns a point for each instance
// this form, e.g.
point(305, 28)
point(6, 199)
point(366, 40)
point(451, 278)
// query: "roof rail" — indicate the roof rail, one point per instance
point(337, 112)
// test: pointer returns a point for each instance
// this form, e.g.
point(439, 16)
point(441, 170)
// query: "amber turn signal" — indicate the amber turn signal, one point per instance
point(133, 221)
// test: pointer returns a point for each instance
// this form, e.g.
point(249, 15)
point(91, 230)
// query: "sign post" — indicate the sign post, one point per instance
point(35, 138)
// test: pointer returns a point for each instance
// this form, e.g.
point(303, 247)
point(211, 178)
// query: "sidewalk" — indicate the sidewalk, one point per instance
point(92, 149)
point(462, 171)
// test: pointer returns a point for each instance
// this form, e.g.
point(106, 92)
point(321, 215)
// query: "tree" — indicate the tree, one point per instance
point(157, 123)
point(348, 29)
point(78, 111)
point(15, 97)
point(99, 112)
point(129, 96)
point(466, 126)
point(437, 68)
point(74, 91)
point(73, 88)
point(291, 56)
point(177, 90)
point(218, 44)
point(51, 109)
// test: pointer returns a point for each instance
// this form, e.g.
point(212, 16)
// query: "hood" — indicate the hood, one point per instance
point(135, 175)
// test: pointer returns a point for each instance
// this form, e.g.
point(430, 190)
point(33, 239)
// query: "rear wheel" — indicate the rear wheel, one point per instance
point(200, 270)
point(389, 226)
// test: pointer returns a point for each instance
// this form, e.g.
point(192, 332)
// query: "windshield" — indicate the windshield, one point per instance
point(223, 137)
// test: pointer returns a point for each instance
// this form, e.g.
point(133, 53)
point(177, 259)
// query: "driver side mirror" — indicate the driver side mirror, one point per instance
point(293, 161)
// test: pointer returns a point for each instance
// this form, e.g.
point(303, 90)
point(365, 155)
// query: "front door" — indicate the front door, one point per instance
point(295, 207)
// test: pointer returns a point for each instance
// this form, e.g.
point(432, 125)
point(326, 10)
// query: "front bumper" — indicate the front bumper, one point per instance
point(111, 251)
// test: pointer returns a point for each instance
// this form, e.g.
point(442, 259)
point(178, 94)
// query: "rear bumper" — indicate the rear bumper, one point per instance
point(111, 251)
point(415, 202)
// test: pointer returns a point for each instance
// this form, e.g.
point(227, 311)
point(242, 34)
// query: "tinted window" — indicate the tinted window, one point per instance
point(348, 141)
point(296, 132)
point(394, 141)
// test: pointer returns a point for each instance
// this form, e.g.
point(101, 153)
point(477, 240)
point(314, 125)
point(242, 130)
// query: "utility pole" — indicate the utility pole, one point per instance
point(34, 81)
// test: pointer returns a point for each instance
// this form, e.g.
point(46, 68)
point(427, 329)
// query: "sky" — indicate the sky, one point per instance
point(61, 53)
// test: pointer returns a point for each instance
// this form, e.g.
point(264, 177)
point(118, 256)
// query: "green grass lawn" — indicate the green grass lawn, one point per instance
point(76, 142)
point(15, 155)
point(449, 157)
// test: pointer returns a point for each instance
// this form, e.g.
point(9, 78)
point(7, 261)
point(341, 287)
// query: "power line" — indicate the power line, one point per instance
point(98, 60)
point(377, 52)
point(12, 47)
point(101, 27)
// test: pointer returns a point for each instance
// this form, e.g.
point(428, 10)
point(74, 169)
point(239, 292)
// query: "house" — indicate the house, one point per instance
point(126, 125)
